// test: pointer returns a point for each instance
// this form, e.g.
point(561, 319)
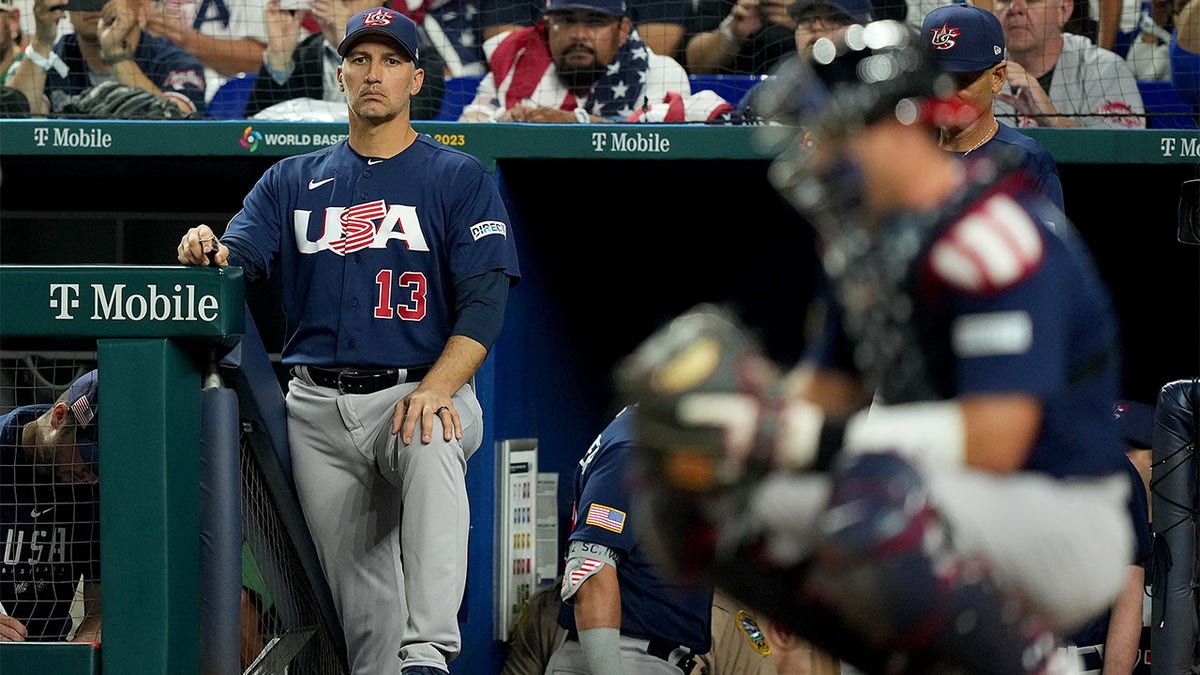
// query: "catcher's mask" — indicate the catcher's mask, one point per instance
point(856, 77)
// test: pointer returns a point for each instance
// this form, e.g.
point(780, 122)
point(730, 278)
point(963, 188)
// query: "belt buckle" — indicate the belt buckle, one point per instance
point(342, 388)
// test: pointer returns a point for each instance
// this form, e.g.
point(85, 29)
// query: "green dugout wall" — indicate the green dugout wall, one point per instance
point(619, 227)
point(153, 329)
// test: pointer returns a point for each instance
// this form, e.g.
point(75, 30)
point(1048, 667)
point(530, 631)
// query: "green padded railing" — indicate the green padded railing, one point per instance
point(491, 142)
point(154, 327)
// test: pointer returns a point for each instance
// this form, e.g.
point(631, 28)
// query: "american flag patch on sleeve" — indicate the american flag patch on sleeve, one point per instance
point(605, 517)
point(585, 570)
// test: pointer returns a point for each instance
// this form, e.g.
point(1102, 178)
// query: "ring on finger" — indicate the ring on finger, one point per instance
point(439, 410)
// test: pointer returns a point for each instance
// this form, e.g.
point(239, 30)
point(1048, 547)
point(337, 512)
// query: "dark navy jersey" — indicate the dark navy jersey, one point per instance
point(1035, 160)
point(651, 608)
point(1096, 632)
point(174, 70)
point(49, 536)
point(369, 250)
point(983, 296)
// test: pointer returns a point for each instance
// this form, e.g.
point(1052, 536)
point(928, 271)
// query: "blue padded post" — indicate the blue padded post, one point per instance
point(460, 91)
point(220, 534)
point(1164, 107)
point(1174, 627)
point(229, 101)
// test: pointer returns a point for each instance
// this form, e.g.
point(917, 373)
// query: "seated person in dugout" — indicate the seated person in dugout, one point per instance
point(49, 517)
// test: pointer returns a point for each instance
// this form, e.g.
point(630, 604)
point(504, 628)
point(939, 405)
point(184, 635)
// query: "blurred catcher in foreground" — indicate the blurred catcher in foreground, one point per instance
point(938, 486)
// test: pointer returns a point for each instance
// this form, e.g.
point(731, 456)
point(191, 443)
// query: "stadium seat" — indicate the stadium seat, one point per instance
point(229, 103)
point(459, 92)
point(1164, 108)
point(732, 88)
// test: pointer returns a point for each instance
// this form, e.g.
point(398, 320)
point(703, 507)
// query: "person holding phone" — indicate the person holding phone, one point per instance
point(228, 36)
point(738, 36)
point(109, 44)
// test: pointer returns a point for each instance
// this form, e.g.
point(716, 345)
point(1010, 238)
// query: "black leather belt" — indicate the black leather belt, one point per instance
point(363, 380)
point(659, 649)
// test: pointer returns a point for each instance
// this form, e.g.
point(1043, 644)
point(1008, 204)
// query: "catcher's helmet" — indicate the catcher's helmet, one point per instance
point(854, 79)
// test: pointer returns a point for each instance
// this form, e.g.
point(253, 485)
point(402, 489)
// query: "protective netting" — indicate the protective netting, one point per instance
point(49, 528)
point(254, 59)
point(277, 589)
point(49, 500)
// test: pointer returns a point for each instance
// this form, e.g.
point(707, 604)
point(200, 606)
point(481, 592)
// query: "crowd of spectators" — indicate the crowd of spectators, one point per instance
point(1070, 62)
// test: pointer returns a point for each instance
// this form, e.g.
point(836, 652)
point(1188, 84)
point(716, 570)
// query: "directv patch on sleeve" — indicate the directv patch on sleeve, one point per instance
point(481, 230)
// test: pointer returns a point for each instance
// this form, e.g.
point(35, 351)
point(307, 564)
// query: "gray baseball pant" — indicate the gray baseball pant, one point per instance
point(389, 521)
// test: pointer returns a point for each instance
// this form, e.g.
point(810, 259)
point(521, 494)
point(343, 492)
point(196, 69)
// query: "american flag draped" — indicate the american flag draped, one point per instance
point(522, 66)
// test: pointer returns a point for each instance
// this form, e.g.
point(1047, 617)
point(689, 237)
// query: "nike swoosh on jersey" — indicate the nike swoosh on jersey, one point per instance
point(314, 184)
point(36, 513)
point(373, 162)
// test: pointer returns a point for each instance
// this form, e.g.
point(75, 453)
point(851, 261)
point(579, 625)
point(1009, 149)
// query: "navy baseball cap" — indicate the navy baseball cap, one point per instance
point(859, 11)
point(1136, 423)
point(381, 21)
point(964, 38)
point(83, 398)
point(609, 7)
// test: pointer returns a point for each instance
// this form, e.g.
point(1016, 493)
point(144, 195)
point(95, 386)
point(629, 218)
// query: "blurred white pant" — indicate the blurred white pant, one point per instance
point(1063, 545)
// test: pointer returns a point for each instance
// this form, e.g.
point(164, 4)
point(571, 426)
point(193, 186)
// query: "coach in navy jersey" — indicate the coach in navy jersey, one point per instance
point(620, 614)
point(49, 517)
point(968, 43)
point(395, 257)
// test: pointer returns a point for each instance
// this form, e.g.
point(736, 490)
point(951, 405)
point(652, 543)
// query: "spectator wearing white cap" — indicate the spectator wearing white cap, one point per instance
point(968, 43)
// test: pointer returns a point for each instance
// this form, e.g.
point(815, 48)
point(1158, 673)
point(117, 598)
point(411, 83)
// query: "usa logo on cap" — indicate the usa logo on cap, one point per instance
point(945, 37)
point(379, 17)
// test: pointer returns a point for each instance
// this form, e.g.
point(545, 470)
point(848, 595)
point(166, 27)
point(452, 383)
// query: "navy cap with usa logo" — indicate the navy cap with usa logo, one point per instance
point(381, 21)
point(964, 38)
point(83, 398)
